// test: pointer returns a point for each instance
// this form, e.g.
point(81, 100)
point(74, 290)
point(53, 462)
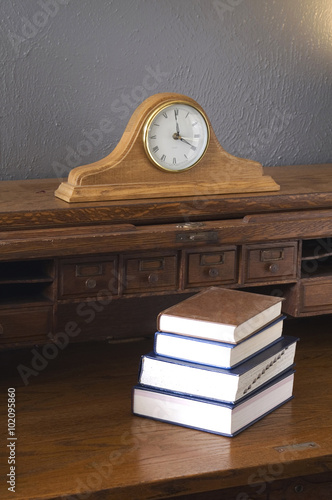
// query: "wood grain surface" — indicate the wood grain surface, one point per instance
point(77, 438)
point(31, 203)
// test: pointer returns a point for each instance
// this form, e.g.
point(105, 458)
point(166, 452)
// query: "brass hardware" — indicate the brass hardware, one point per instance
point(151, 264)
point(273, 268)
point(209, 236)
point(212, 258)
point(296, 447)
point(190, 225)
point(153, 278)
point(85, 270)
point(90, 283)
point(272, 254)
point(213, 272)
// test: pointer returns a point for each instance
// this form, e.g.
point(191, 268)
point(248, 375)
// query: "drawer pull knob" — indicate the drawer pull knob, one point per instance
point(90, 283)
point(274, 268)
point(153, 278)
point(213, 272)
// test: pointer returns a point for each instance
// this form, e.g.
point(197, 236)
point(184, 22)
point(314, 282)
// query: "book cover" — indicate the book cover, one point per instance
point(220, 314)
point(214, 353)
point(210, 415)
point(218, 383)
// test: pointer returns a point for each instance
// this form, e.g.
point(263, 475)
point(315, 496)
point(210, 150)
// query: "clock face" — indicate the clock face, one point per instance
point(176, 137)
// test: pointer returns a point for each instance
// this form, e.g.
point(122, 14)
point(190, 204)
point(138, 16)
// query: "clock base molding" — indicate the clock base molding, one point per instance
point(128, 172)
point(149, 190)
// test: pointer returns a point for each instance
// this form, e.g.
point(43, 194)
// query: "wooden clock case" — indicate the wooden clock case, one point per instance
point(127, 173)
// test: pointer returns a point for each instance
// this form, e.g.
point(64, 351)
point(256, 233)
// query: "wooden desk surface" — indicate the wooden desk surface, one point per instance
point(76, 434)
point(29, 204)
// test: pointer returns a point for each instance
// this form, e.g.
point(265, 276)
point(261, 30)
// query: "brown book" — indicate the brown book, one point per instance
point(220, 314)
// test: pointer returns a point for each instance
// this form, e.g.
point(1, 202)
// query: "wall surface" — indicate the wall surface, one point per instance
point(73, 71)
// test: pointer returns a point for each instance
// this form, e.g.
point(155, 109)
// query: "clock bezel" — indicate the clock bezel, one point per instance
point(147, 127)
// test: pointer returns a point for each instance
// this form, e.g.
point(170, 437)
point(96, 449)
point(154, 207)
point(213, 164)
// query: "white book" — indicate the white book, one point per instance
point(214, 353)
point(218, 383)
point(210, 415)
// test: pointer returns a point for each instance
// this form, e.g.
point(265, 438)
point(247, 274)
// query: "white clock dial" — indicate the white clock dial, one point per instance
point(176, 137)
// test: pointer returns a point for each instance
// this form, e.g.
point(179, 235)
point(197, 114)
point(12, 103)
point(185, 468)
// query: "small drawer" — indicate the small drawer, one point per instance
point(25, 324)
point(87, 277)
point(150, 272)
point(316, 296)
point(270, 262)
point(211, 267)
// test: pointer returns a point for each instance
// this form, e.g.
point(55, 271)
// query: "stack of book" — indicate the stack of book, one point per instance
point(219, 364)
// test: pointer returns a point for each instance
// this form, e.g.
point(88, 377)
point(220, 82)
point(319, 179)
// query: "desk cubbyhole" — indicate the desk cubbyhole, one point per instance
point(316, 258)
point(34, 271)
point(26, 282)
point(24, 294)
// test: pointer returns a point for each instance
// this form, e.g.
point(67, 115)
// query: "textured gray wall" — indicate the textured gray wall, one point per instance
point(72, 72)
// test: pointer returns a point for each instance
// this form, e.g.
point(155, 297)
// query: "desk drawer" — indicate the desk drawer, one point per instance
point(87, 277)
point(25, 324)
point(148, 272)
point(316, 296)
point(211, 267)
point(270, 262)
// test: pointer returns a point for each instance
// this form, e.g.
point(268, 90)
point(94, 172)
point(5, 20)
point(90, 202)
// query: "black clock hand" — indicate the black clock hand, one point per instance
point(177, 137)
point(184, 140)
point(176, 122)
